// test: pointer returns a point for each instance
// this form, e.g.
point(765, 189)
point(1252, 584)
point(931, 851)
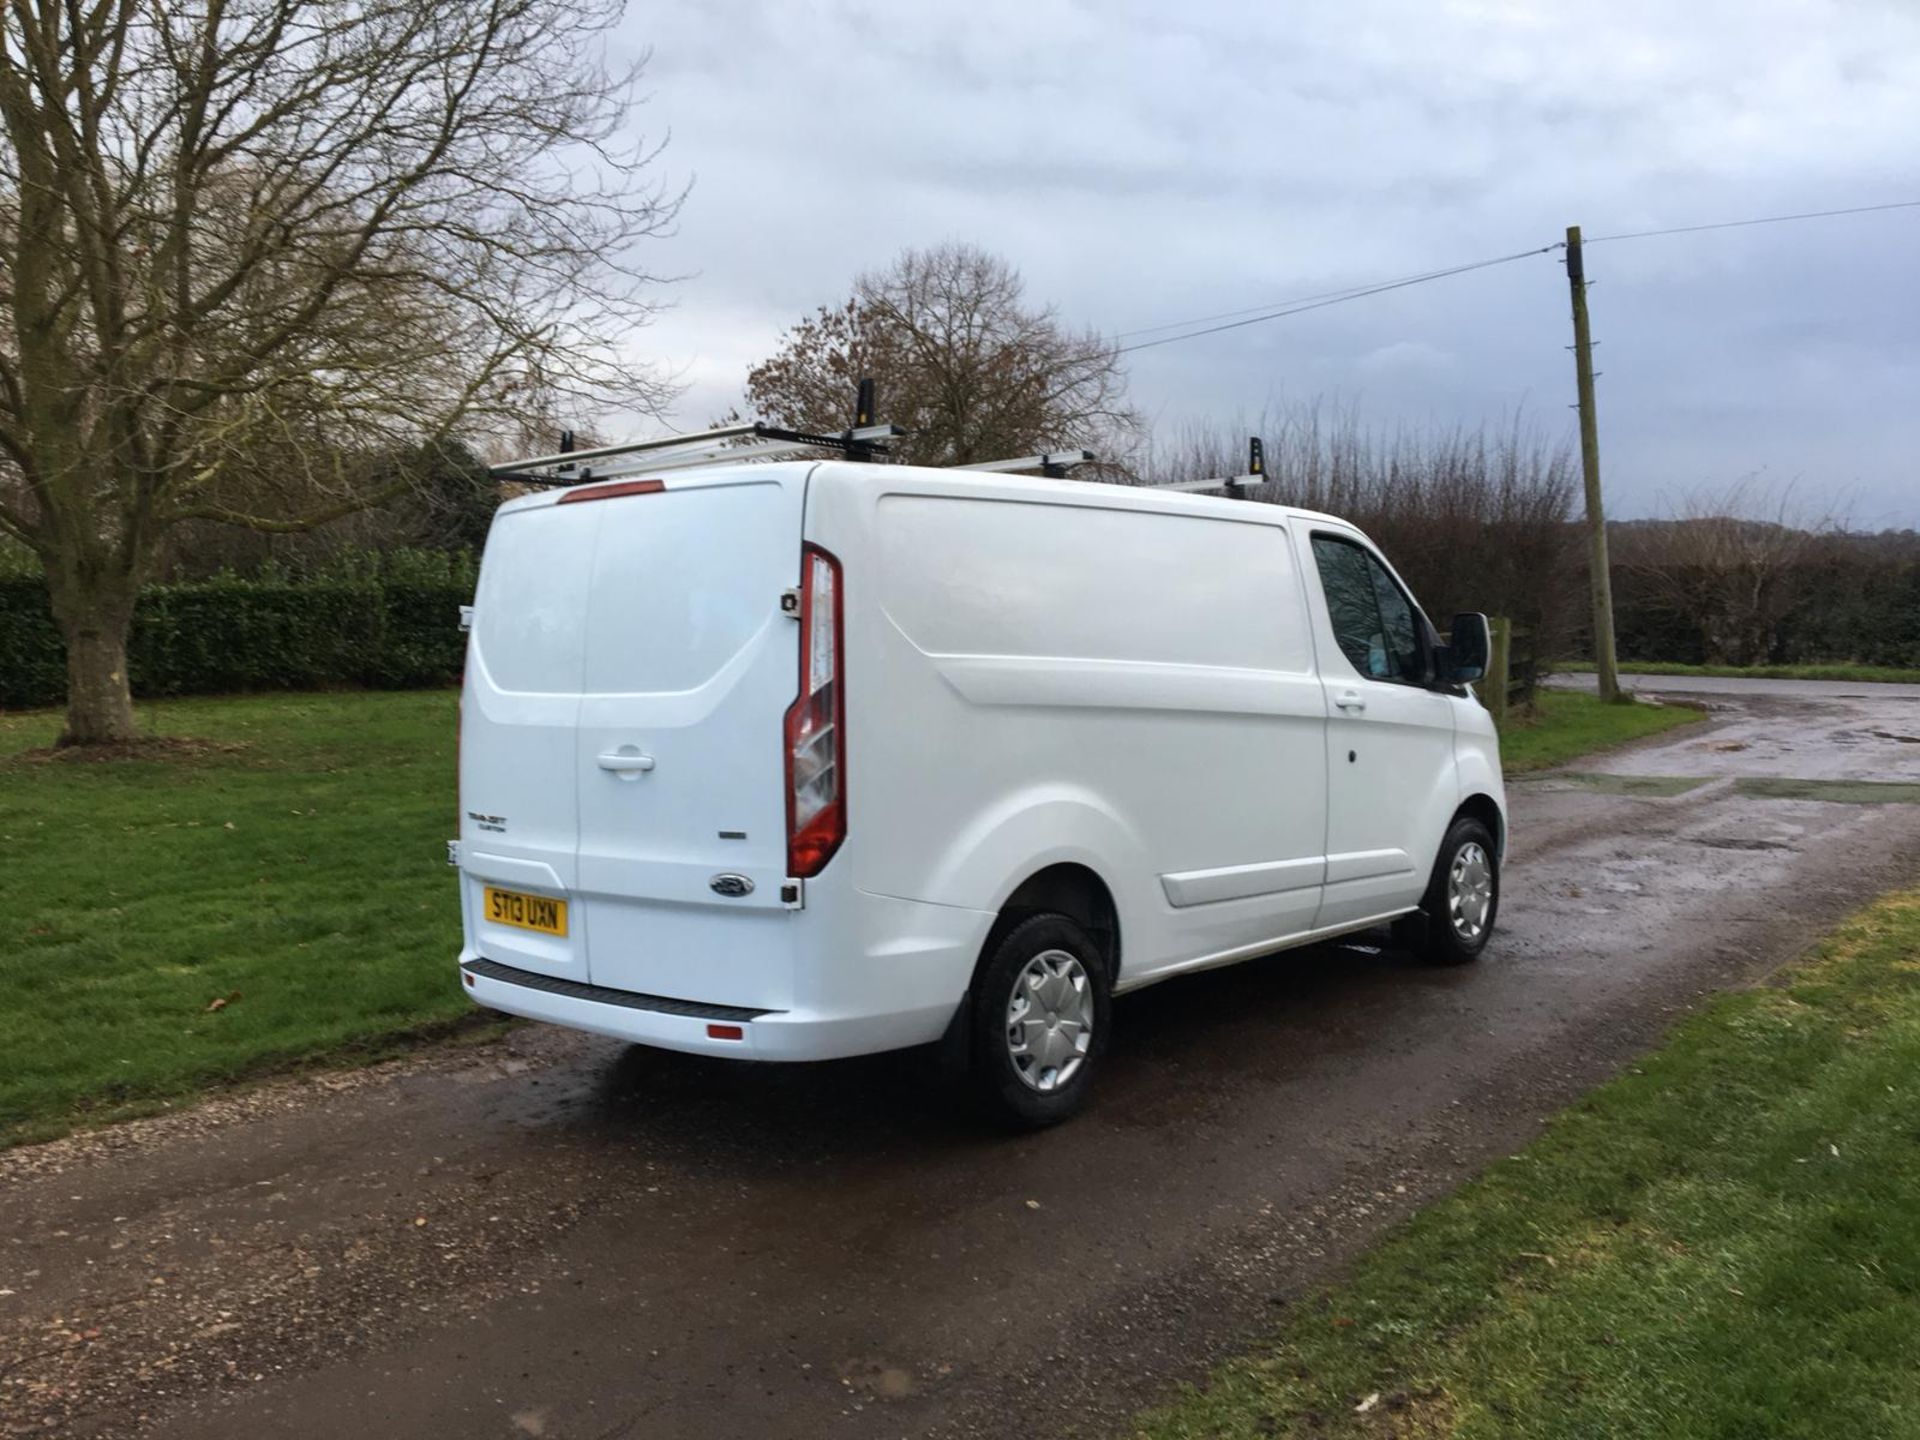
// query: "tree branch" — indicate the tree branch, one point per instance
point(275, 525)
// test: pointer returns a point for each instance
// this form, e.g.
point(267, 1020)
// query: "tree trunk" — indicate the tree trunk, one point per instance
point(99, 700)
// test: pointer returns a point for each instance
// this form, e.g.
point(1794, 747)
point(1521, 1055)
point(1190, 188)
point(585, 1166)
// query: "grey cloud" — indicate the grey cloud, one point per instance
point(1144, 162)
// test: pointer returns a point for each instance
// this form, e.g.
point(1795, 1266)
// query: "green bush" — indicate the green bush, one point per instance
point(33, 662)
point(392, 623)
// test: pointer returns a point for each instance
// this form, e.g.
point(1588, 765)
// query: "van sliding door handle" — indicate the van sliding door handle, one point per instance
point(626, 762)
point(1350, 700)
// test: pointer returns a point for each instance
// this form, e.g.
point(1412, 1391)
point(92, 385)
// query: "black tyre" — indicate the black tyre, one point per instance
point(1041, 1011)
point(1462, 901)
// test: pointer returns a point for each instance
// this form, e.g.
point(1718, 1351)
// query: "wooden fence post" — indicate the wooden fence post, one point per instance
point(1493, 690)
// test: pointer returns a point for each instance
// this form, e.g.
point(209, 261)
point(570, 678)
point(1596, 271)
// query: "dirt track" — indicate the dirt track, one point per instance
point(553, 1237)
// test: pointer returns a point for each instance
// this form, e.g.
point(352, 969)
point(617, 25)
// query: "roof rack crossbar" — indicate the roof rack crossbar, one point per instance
point(1220, 482)
point(577, 457)
point(1234, 485)
point(1054, 463)
point(724, 445)
point(724, 453)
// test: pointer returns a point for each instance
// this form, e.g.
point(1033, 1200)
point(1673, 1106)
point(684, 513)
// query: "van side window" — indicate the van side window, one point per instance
point(1373, 620)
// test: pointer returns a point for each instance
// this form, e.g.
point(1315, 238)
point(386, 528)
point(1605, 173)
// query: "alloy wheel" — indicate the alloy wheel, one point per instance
point(1050, 1020)
point(1470, 891)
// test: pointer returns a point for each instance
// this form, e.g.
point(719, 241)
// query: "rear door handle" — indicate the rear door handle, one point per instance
point(625, 762)
point(1350, 700)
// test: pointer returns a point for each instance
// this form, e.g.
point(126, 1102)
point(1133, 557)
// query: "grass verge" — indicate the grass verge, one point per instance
point(1723, 1242)
point(1565, 724)
point(274, 894)
point(1864, 674)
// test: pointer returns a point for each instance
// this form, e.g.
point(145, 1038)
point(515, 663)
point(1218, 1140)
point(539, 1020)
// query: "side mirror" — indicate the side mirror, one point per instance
point(1469, 647)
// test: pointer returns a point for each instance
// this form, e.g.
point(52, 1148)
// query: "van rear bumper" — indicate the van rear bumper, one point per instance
point(670, 1024)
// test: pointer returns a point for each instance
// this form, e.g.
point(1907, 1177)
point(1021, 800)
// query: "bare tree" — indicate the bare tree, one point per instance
point(1729, 565)
point(251, 237)
point(1475, 519)
point(962, 362)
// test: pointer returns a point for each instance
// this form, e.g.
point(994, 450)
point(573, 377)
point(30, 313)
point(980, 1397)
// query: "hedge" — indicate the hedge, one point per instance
point(228, 634)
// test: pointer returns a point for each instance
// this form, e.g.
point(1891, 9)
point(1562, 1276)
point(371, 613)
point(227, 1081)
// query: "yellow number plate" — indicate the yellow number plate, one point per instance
point(527, 912)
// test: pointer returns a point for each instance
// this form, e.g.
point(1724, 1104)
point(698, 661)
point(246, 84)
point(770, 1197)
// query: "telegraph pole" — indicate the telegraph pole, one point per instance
point(1605, 662)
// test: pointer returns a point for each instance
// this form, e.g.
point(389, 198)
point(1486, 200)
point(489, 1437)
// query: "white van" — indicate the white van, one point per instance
point(799, 760)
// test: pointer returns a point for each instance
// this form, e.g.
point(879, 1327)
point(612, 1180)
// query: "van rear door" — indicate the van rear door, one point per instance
point(520, 703)
point(687, 668)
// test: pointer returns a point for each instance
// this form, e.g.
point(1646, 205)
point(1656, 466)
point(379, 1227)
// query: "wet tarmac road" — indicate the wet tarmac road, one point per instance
point(1736, 686)
point(552, 1236)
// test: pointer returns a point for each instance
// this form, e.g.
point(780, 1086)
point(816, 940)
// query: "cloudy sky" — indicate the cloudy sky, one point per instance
point(1144, 163)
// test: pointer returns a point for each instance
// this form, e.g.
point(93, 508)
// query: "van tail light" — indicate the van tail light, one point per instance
point(816, 731)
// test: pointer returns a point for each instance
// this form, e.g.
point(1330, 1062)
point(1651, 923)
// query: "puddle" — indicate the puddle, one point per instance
point(1838, 792)
point(1660, 785)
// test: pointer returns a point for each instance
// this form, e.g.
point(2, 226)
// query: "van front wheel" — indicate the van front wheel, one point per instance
point(1041, 1013)
point(1462, 899)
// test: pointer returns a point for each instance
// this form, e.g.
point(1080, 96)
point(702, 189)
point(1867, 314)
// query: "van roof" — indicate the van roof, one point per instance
point(973, 482)
point(1042, 487)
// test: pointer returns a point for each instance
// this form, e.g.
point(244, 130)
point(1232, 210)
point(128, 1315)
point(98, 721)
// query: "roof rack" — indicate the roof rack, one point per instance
point(755, 440)
point(723, 445)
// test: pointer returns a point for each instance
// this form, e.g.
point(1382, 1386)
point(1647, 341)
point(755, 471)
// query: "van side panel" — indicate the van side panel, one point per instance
point(1042, 673)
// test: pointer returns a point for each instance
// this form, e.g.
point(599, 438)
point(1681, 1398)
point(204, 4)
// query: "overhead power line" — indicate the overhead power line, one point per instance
point(1320, 302)
point(1761, 220)
point(1344, 293)
point(1260, 314)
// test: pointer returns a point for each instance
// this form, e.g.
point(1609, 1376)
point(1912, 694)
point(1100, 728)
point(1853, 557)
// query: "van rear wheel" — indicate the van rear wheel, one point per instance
point(1041, 1012)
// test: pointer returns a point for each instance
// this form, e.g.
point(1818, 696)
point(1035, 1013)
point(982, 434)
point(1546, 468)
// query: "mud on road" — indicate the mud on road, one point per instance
point(553, 1236)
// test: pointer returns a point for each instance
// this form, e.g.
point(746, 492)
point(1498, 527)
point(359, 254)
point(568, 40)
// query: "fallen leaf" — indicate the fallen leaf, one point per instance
point(1341, 1322)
